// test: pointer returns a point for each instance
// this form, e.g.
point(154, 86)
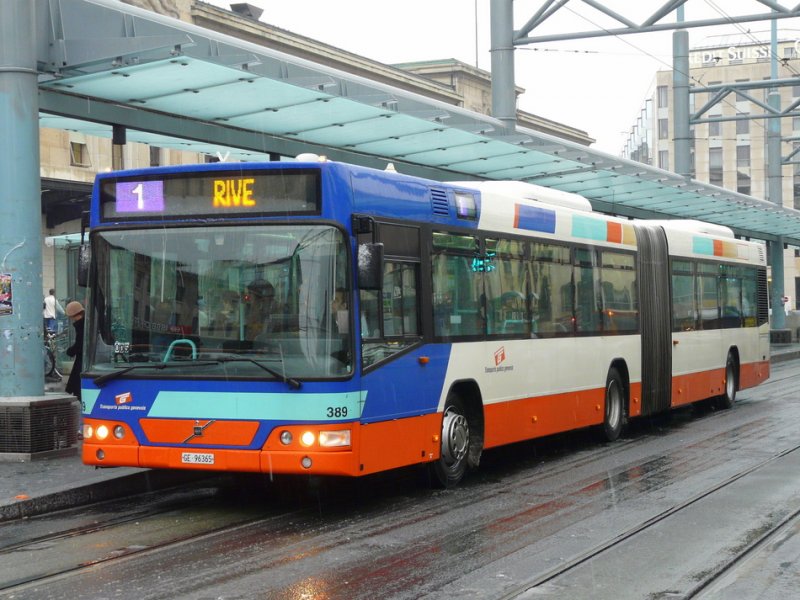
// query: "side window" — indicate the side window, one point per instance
point(400, 300)
point(749, 296)
point(506, 289)
point(730, 296)
point(618, 293)
point(708, 296)
point(684, 297)
point(389, 318)
point(551, 291)
point(587, 305)
point(457, 272)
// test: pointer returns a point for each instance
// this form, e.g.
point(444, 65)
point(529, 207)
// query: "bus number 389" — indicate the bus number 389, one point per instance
point(337, 412)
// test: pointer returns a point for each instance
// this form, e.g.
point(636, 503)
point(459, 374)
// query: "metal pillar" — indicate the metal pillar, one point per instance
point(504, 96)
point(680, 101)
point(21, 364)
point(775, 186)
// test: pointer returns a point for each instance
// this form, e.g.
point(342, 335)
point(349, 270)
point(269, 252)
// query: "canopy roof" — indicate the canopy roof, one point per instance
point(173, 84)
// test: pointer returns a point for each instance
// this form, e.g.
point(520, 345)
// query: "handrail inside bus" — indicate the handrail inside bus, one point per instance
point(168, 353)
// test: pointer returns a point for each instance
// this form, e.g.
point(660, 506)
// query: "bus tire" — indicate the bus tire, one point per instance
point(449, 469)
point(728, 397)
point(614, 412)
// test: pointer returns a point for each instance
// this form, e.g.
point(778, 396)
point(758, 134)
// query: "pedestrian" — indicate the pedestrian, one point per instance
point(52, 309)
point(75, 313)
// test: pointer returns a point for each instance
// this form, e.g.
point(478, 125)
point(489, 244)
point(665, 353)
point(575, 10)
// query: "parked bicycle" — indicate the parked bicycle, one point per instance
point(50, 352)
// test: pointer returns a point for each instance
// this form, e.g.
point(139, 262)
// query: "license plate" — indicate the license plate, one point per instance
point(197, 458)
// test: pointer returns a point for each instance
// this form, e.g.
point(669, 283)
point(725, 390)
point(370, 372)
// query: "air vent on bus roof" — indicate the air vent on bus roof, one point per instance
point(439, 202)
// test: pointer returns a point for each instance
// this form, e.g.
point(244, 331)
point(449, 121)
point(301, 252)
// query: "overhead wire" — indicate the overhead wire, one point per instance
point(697, 81)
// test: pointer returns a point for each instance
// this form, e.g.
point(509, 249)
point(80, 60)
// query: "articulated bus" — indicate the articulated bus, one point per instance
point(314, 317)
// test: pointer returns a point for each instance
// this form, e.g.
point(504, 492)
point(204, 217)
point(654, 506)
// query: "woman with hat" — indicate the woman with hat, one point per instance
point(75, 314)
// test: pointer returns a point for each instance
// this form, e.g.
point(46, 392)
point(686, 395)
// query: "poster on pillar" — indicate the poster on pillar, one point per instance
point(6, 298)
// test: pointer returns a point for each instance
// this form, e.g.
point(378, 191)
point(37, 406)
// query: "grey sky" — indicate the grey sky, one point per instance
point(598, 85)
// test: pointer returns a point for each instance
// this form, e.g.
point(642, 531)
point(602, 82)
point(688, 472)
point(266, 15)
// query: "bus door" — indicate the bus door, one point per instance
point(652, 265)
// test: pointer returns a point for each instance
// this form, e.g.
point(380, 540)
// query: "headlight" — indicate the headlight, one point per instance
point(102, 432)
point(308, 438)
point(88, 432)
point(286, 437)
point(333, 439)
point(119, 432)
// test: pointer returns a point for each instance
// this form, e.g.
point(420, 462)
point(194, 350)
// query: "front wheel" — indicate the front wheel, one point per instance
point(452, 463)
point(614, 418)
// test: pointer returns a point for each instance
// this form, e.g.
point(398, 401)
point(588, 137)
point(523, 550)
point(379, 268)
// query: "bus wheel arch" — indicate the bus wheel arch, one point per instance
point(461, 435)
point(728, 396)
point(615, 401)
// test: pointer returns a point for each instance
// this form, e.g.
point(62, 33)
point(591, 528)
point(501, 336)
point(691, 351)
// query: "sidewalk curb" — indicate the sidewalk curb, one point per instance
point(150, 480)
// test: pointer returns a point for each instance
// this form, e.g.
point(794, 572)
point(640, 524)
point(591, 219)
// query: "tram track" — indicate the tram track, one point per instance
point(528, 588)
point(513, 505)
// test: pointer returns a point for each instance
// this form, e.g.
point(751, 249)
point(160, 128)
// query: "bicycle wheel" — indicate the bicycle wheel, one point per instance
point(49, 362)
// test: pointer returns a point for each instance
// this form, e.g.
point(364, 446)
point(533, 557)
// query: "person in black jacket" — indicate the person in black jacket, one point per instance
point(75, 313)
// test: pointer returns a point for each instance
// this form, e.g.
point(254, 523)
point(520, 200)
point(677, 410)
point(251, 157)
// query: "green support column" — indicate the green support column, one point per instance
point(21, 364)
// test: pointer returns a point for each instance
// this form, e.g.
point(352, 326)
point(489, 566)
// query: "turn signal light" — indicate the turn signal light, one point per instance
point(334, 439)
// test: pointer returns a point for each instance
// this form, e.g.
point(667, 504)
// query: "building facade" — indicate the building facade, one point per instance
point(70, 160)
point(730, 154)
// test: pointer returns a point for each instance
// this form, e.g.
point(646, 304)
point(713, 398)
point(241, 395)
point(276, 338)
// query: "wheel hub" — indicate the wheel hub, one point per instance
point(455, 437)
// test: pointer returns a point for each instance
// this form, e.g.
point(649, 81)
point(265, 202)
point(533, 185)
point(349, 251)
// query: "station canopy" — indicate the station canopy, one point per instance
point(172, 84)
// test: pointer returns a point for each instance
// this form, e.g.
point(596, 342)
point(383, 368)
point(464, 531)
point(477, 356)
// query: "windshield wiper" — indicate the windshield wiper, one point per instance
point(290, 381)
point(101, 379)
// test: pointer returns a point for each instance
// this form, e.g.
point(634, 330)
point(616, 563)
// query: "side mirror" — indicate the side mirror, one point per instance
point(370, 266)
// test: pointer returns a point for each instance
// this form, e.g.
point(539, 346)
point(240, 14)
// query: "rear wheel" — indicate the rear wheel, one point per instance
point(452, 463)
point(727, 399)
point(49, 362)
point(615, 406)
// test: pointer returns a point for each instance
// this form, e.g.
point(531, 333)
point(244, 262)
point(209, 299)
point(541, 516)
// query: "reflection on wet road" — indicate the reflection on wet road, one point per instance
point(689, 504)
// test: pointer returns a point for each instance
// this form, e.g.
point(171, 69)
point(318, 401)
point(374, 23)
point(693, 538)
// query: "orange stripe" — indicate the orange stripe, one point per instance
point(718, 250)
point(614, 232)
point(751, 374)
point(509, 422)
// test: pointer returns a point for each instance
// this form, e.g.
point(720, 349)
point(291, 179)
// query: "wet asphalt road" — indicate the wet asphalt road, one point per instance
point(695, 504)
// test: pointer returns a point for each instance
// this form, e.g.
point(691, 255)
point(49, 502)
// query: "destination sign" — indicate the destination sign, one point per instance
point(211, 194)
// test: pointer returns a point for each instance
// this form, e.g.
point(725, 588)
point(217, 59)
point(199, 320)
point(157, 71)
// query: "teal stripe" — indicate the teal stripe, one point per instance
point(88, 399)
point(703, 246)
point(237, 405)
point(588, 228)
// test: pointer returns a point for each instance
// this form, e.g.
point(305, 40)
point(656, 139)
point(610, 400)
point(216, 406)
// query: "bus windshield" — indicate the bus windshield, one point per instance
point(252, 301)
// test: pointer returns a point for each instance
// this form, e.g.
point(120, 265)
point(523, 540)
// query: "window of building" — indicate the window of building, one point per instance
point(663, 129)
point(155, 156)
point(715, 166)
point(714, 128)
point(742, 125)
point(662, 92)
point(663, 159)
point(79, 155)
point(742, 157)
